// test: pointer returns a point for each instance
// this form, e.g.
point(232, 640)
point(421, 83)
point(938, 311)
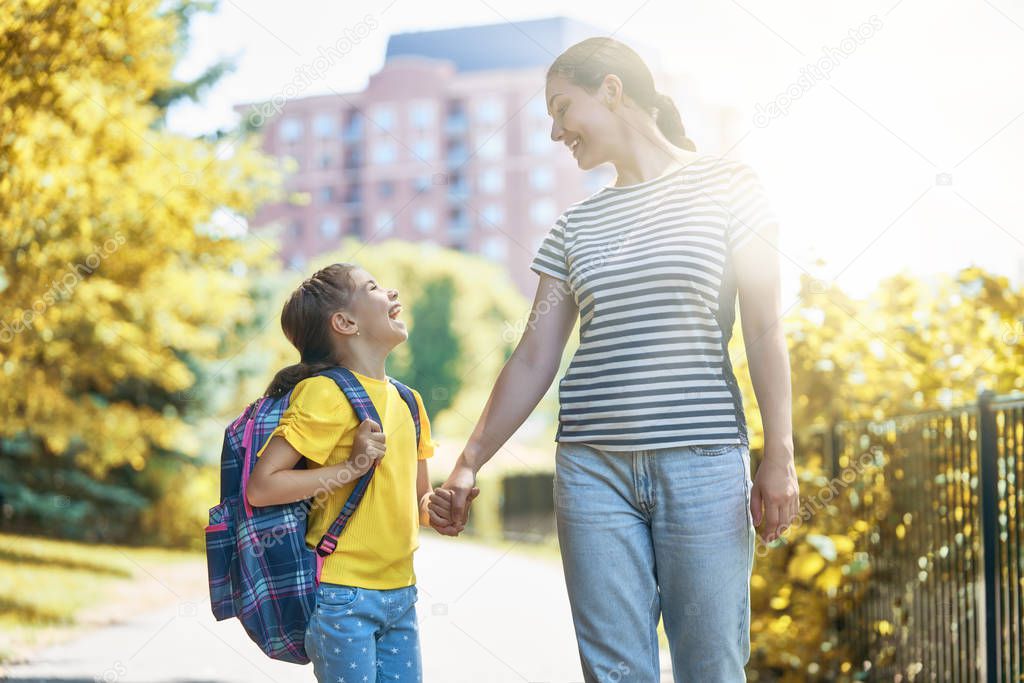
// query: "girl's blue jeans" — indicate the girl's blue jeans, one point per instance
point(360, 635)
point(657, 533)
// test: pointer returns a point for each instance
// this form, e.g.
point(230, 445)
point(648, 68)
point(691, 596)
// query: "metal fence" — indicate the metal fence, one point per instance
point(946, 543)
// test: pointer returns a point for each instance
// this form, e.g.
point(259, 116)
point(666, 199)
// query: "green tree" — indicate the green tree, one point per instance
point(124, 263)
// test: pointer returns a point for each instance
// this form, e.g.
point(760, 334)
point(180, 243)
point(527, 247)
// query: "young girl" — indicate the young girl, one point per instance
point(364, 625)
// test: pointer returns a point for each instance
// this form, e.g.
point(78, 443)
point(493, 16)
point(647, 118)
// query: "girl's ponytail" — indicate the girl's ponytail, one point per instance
point(306, 319)
point(286, 378)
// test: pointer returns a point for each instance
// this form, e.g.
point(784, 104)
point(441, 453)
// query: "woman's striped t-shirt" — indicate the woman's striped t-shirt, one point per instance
point(651, 269)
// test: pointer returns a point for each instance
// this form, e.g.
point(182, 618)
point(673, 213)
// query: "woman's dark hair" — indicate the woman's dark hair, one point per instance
point(587, 63)
point(305, 320)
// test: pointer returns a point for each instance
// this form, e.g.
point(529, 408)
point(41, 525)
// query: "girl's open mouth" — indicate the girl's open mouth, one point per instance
point(395, 310)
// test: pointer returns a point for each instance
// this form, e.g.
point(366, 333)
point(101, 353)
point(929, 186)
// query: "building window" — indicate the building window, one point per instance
point(424, 150)
point(325, 161)
point(384, 152)
point(538, 108)
point(353, 157)
point(458, 187)
point(291, 130)
point(295, 230)
point(457, 153)
point(324, 126)
point(491, 146)
point(459, 224)
point(385, 189)
point(542, 211)
point(354, 194)
point(424, 220)
point(325, 195)
point(542, 178)
point(330, 227)
point(455, 121)
point(421, 183)
point(355, 227)
point(539, 142)
point(353, 125)
point(384, 117)
point(422, 115)
point(493, 216)
point(385, 223)
point(490, 111)
point(494, 248)
point(492, 180)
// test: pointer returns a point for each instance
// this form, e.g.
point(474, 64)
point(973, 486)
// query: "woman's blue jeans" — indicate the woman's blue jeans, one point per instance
point(665, 532)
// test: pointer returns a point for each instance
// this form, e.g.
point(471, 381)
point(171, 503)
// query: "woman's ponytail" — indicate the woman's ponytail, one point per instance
point(670, 123)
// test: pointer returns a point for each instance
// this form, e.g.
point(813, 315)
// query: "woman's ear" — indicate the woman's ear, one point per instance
point(610, 93)
point(342, 323)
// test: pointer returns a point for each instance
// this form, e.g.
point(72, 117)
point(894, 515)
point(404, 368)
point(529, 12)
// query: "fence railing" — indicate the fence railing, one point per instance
point(946, 543)
point(945, 601)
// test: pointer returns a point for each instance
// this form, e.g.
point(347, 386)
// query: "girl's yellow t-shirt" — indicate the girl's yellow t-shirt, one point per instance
point(376, 547)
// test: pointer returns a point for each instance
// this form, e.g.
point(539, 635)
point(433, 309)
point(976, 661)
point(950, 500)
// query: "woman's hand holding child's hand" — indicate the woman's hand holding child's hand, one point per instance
point(442, 516)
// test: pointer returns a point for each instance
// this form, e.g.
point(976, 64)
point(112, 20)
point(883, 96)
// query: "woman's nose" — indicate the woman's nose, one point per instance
point(556, 132)
point(393, 293)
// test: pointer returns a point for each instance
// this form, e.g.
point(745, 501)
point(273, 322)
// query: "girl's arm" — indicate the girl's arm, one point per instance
point(520, 386)
point(423, 491)
point(275, 481)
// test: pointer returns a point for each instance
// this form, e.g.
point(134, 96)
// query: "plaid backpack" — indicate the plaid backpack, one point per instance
point(260, 569)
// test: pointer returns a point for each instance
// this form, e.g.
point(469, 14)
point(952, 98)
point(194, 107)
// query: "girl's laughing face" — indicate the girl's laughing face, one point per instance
point(377, 310)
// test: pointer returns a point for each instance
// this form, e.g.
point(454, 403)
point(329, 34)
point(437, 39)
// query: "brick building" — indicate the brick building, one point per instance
point(449, 143)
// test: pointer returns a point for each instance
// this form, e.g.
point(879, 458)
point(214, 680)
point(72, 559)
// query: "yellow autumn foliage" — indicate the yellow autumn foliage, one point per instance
point(117, 278)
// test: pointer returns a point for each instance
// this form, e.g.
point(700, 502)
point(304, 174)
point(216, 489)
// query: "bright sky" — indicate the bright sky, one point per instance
point(916, 89)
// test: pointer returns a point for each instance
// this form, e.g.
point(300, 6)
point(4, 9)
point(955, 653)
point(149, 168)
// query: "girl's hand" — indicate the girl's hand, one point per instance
point(367, 448)
point(440, 507)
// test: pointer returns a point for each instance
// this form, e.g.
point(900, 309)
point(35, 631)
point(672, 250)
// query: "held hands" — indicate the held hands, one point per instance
point(368, 447)
point(448, 506)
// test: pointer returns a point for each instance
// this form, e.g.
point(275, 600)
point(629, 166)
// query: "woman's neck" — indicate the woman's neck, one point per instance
point(649, 154)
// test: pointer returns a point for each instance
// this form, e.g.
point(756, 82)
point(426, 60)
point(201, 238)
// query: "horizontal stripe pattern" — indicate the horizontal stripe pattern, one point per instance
point(650, 267)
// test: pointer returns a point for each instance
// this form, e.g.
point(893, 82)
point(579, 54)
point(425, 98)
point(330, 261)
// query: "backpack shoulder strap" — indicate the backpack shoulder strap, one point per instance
point(364, 408)
point(410, 400)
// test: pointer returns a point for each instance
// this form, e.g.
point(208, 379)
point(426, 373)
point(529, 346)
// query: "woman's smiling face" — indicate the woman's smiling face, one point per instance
point(376, 310)
point(579, 120)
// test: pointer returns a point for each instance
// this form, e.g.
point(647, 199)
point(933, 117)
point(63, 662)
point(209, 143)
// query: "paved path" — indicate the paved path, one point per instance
point(487, 616)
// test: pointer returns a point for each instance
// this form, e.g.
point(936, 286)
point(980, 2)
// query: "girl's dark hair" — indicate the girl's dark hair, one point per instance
point(587, 63)
point(305, 320)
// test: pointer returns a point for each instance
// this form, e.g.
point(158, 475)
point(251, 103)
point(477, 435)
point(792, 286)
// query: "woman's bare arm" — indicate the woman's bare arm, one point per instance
point(521, 384)
point(776, 491)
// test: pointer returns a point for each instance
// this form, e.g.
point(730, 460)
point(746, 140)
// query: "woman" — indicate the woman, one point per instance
point(654, 503)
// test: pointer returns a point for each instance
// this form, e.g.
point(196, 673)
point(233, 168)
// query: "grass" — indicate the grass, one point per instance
point(50, 589)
